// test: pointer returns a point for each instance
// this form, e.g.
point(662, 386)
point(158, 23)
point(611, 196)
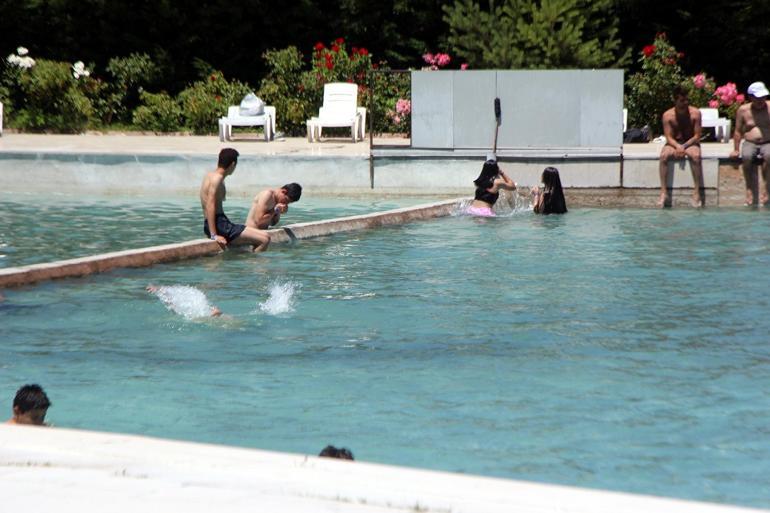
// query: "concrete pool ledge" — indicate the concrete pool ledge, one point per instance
point(67, 470)
point(144, 257)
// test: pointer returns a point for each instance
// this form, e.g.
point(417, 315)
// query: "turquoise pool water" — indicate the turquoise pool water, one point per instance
point(618, 349)
point(37, 228)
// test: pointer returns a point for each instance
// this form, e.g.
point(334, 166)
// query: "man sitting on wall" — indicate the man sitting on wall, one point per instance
point(268, 205)
point(216, 225)
point(752, 124)
point(682, 130)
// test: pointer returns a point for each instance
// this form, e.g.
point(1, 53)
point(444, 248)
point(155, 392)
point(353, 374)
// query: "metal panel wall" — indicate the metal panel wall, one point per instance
point(473, 107)
point(541, 109)
point(432, 109)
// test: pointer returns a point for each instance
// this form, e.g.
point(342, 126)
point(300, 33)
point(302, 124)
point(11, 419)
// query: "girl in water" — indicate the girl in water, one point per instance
point(549, 200)
point(488, 186)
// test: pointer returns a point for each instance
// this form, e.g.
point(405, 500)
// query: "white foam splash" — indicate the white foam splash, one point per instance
point(281, 299)
point(184, 300)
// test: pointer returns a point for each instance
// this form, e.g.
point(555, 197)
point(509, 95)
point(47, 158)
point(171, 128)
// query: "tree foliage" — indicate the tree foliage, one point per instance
point(536, 34)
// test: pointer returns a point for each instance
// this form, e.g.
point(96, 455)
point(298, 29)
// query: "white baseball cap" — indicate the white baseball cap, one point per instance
point(758, 90)
point(491, 156)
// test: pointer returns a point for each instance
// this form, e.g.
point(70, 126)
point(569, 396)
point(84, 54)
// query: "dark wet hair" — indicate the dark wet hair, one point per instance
point(489, 172)
point(679, 91)
point(553, 194)
point(293, 191)
point(332, 452)
point(226, 157)
point(31, 397)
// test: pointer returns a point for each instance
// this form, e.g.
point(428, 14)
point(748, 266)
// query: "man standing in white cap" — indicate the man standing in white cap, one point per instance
point(752, 124)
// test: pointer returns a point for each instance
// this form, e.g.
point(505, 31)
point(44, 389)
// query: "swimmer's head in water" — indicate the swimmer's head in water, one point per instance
point(30, 405)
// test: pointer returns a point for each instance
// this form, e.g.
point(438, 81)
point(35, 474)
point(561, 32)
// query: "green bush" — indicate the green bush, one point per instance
point(650, 90)
point(205, 101)
point(297, 93)
point(158, 112)
point(121, 95)
point(292, 91)
point(50, 98)
point(388, 88)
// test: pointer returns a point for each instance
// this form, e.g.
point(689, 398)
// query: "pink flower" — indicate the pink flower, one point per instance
point(699, 81)
point(740, 98)
point(442, 59)
point(396, 119)
point(727, 94)
point(464, 66)
point(403, 107)
point(428, 58)
point(713, 104)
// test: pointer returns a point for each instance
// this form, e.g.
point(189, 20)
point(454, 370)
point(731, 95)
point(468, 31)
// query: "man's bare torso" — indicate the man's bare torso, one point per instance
point(682, 124)
point(262, 210)
point(756, 123)
point(221, 192)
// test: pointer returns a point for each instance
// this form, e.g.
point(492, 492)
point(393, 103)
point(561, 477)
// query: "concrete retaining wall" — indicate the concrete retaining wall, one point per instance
point(406, 175)
point(143, 257)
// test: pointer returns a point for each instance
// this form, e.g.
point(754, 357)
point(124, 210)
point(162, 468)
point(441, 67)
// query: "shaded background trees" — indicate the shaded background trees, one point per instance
point(188, 38)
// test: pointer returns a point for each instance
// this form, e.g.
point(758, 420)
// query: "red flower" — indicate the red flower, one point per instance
point(648, 50)
point(354, 50)
point(329, 65)
point(363, 51)
point(375, 65)
point(680, 55)
point(319, 46)
point(335, 48)
point(339, 40)
point(213, 77)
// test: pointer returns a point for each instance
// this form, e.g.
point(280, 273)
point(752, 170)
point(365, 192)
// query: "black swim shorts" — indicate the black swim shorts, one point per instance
point(225, 228)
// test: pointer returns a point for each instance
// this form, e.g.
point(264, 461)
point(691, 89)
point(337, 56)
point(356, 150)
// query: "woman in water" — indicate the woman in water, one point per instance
point(549, 200)
point(488, 186)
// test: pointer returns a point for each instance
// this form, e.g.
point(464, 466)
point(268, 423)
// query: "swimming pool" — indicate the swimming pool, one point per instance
point(40, 228)
point(619, 349)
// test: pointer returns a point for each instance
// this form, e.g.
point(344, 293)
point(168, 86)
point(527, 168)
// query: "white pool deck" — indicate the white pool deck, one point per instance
point(62, 470)
point(248, 144)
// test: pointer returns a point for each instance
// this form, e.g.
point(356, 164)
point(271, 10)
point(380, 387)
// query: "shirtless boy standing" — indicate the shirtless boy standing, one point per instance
point(682, 129)
point(216, 225)
point(268, 205)
point(752, 124)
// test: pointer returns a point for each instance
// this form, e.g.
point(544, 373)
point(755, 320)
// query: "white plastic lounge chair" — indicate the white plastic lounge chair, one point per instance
point(721, 126)
point(234, 118)
point(340, 109)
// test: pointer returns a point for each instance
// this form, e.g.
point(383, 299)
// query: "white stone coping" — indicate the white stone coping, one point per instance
point(64, 470)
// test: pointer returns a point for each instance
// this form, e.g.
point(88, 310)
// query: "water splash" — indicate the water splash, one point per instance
point(281, 299)
point(184, 300)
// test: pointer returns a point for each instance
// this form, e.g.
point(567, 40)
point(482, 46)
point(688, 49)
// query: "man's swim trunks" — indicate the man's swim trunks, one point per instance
point(225, 228)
